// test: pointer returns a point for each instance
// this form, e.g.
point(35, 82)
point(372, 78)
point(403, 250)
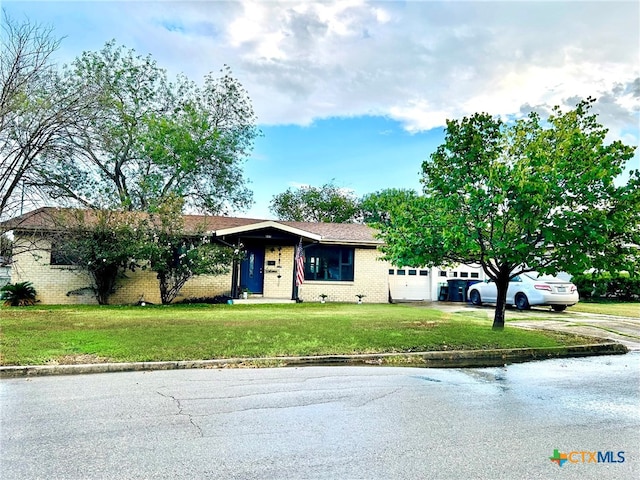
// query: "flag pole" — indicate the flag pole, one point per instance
point(298, 271)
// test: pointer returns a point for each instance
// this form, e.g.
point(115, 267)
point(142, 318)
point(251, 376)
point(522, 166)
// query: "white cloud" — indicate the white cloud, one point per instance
point(417, 62)
point(419, 115)
point(423, 62)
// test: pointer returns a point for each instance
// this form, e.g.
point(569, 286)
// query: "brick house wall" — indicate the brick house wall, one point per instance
point(278, 278)
point(370, 278)
point(53, 284)
point(144, 284)
point(68, 285)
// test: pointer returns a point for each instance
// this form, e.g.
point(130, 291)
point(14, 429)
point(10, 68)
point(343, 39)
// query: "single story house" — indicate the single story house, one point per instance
point(341, 261)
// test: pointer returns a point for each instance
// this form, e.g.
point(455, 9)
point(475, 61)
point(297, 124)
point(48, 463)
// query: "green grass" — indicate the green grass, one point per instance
point(623, 309)
point(63, 334)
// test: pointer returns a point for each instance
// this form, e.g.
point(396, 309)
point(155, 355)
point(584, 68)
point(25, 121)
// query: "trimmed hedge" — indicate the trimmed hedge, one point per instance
point(620, 286)
point(218, 299)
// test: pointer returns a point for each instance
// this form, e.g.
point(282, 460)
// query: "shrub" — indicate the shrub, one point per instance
point(621, 286)
point(218, 299)
point(18, 294)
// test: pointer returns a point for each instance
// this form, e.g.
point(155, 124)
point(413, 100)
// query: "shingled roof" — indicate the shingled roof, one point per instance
point(353, 232)
point(55, 219)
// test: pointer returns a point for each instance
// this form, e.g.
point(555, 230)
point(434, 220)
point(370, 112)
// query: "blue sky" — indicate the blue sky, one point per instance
point(358, 91)
point(363, 154)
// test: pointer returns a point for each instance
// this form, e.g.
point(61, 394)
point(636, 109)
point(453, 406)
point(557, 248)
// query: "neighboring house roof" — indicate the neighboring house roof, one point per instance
point(54, 219)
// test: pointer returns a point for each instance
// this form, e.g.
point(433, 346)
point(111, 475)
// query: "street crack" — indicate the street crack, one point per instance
point(380, 397)
point(182, 413)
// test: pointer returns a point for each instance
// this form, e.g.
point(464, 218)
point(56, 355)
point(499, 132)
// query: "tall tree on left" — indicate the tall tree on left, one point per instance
point(35, 111)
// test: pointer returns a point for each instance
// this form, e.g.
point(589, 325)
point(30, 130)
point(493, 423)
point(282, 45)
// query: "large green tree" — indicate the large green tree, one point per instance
point(328, 203)
point(530, 195)
point(145, 144)
point(147, 137)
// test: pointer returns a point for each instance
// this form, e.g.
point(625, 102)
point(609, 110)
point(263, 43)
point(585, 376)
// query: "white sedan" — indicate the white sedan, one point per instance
point(528, 289)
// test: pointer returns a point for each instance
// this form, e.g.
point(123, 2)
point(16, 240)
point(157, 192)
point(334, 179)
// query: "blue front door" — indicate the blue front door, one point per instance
point(252, 270)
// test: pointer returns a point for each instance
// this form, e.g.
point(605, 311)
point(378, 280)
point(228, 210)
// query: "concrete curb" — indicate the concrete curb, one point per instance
point(440, 359)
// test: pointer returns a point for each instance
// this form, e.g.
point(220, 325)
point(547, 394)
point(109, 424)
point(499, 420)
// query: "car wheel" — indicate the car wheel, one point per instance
point(474, 297)
point(559, 308)
point(522, 302)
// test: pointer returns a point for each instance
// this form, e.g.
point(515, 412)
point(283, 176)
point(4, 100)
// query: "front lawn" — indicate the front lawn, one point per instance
point(72, 334)
point(622, 309)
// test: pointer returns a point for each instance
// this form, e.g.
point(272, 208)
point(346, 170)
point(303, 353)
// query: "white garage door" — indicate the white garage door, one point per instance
point(409, 284)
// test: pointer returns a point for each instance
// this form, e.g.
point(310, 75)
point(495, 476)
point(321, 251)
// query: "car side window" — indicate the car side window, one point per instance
point(516, 279)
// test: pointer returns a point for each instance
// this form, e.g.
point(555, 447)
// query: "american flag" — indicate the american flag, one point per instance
point(299, 265)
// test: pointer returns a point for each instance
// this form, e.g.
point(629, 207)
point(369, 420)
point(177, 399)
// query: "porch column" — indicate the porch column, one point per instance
point(235, 276)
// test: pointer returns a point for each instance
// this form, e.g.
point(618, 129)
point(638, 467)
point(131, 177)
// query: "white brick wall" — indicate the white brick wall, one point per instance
point(53, 284)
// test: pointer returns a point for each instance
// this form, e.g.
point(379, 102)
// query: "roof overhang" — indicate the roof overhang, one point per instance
point(362, 243)
point(264, 225)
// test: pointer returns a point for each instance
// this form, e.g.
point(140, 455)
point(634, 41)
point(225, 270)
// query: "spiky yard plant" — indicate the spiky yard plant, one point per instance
point(20, 294)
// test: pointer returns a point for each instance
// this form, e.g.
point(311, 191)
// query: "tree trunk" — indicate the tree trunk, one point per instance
point(163, 283)
point(104, 279)
point(502, 284)
point(171, 283)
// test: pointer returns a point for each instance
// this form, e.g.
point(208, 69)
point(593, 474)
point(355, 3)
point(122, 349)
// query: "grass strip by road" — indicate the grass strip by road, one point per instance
point(87, 334)
point(621, 309)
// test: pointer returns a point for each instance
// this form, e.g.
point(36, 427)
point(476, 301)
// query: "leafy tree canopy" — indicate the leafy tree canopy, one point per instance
point(380, 207)
point(148, 138)
point(328, 203)
point(532, 195)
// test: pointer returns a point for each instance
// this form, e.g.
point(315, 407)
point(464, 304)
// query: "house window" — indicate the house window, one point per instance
point(424, 273)
point(443, 273)
point(464, 275)
point(402, 272)
point(329, 263)
point(391, 271)
point(475, 275)
point(62, 254)
point(413, 272)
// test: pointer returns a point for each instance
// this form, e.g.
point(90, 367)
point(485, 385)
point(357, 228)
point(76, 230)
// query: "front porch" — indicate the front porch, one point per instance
point(258, 299)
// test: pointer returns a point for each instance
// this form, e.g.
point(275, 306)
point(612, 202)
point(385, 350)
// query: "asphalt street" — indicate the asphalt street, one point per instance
point(328, 423)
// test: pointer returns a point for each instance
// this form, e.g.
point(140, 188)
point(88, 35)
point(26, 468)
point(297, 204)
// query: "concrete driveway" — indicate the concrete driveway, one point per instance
point(624, 330)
